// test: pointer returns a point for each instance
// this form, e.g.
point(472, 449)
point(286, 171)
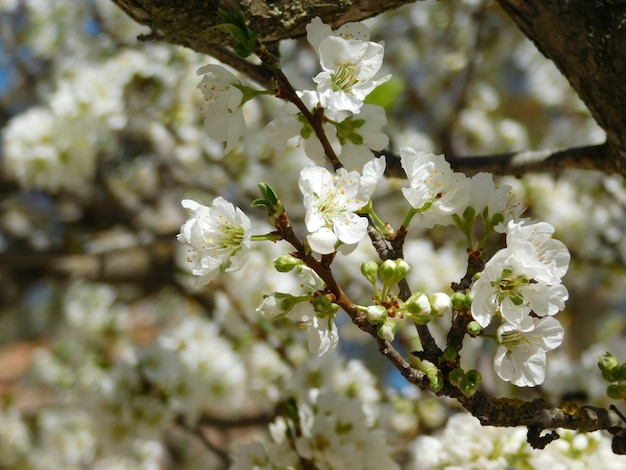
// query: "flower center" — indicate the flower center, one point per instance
point(227, 236)
point(345, 77)
point(508, 286)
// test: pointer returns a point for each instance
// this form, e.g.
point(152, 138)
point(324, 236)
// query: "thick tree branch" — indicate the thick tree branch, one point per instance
point(587, 42)
point(593, 157)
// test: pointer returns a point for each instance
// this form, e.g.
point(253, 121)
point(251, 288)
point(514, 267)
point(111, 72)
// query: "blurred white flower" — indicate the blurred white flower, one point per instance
point(521, 355)
point(223, 115)
point(218, 236)
point(45, 151)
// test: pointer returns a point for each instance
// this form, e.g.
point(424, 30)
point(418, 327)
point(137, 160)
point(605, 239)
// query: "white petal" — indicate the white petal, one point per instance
point(322, 241)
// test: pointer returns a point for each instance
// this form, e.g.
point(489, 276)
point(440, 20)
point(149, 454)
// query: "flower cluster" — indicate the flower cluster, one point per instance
point(350, 63)
point(521, 285)
point(331, 433)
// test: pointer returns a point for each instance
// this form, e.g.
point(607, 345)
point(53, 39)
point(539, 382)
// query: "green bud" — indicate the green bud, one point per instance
point(609, 366)
point(387, 330)
point(469, 298)
point(622, 372)
point(457, 377)
point(473, 328)
point(436, 382)
point(621, 388)
point(450, 354)
point(613, 392)
point(387, 272)
point(323, 305)
point(467, 388)
point(376, 314)
point(418, 304)
point(285, 263)
point(393, 271)
point(473, 376)
point(458, 301)
point(369, 269)
point(402, 268)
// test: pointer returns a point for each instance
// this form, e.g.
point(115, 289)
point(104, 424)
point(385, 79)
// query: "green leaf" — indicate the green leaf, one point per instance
point(387, 94)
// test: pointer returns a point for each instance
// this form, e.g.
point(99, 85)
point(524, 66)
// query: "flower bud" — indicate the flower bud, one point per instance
point(609, 365)
point(393, 271)
point(473, 376)
point(402, 268)
point(457, 300)
point(456, 377)
point(450, 354)
point(285, 263)
point(439, 303)
point(376, 314)
point(276, 305)
point(322, 304)
point(387, 330)
point(418, 304)
point(369, 269)
point(613, 392)
point(473, 328)
point(387, 272)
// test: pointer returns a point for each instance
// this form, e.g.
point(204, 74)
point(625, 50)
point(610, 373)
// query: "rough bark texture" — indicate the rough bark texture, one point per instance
point(586, 39)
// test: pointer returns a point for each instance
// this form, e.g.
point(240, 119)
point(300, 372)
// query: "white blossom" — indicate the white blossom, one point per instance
point(434, 188)
point(218, 236)
point(291, 123)
point(521, 355)
point(331, 202)
point(536, 240)
point(349, 65)
point(223, 116)
point(505, 288)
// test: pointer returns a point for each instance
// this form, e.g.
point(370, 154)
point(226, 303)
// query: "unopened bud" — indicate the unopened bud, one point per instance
point(387, 330)
point(376, 314)
point(387, 272)
point(473, 328)
point(393, 271)
point(609, 366)
point(418, 304)
point(322, 304)
point(456, 377)
point(369, 269)
point(473, 376)
point(440, 303)
point(285, 263)
point(457, 300)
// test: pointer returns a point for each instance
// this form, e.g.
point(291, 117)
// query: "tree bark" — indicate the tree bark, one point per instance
point(586, 39)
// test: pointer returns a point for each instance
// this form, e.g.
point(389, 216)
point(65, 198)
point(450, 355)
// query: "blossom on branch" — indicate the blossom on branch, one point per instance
point(331, 202)
point(434, 189)
point(223, 116)
point(521, 355)
point(349, 63)
point(218, 236)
